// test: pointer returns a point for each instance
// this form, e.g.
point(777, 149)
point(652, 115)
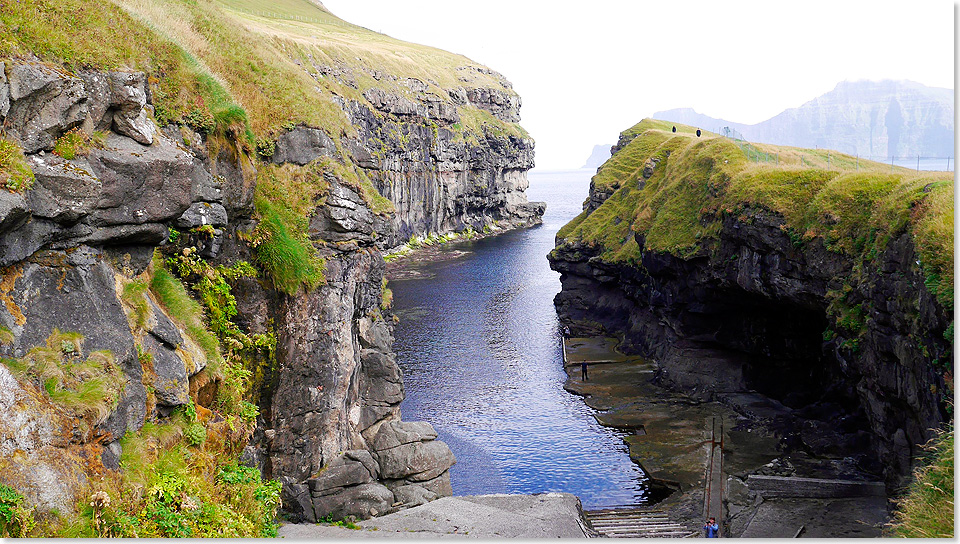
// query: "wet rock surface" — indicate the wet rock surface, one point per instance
point(670, 435)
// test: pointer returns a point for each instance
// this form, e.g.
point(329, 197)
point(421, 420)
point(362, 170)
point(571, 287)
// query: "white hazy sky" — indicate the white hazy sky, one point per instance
point(587, 70)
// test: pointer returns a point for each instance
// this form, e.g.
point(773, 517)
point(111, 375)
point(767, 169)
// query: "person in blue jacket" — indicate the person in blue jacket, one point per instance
point(711, 528)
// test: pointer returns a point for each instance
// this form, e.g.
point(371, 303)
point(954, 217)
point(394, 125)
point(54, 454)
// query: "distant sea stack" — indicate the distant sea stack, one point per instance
point(598, 156)
point(875, 119)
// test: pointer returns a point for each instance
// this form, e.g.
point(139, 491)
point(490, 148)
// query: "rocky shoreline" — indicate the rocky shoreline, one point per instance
point(669, 433)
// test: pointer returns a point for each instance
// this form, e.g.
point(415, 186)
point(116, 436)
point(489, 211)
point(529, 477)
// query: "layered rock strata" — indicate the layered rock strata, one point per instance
point(440, 176)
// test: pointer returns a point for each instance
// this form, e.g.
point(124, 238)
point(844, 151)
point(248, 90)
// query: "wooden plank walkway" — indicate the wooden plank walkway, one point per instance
point(714, 478)
point(633, 522)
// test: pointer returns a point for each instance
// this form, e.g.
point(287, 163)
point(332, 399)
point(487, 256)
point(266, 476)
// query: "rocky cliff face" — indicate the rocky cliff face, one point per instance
point(439, 176)
point(72, 245)
point(859, 362)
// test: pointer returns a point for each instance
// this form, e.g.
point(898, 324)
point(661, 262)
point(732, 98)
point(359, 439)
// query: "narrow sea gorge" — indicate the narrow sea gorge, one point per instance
point(479, 344)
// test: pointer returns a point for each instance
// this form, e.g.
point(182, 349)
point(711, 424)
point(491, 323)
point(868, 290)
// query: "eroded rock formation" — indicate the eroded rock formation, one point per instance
point(70, 246)
point(750, 312)
point(440, 177)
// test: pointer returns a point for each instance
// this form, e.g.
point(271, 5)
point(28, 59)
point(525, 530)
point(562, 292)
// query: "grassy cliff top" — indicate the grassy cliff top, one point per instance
point(250, 62)
point(854, 206)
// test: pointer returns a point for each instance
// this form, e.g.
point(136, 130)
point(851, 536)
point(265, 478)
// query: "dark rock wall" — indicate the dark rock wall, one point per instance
point(750, 313)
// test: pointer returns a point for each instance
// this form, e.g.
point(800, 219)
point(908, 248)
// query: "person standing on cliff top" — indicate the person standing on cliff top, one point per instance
point(711, 529)
point(583, 371)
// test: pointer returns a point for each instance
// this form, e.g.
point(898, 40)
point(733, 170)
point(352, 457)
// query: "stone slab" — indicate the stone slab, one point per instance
point(789, 486)
point(820, 518)
point(546, 515)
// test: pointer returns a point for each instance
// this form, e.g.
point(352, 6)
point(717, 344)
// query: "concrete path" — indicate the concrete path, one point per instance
point(546, 515)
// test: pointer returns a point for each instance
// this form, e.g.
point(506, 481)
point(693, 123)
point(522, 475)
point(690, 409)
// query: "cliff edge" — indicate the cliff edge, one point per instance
point(194, 197)
point(821, 281)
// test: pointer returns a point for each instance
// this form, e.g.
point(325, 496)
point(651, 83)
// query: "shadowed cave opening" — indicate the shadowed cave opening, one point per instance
point(776, 348)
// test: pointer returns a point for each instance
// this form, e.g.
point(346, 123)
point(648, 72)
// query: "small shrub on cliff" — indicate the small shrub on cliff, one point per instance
point(195, 434)
point(88, 388)
point(266, 147)
point(200, 121)
point(15, 175)
point(927, 510)
point(77, 143)
point(16, 520)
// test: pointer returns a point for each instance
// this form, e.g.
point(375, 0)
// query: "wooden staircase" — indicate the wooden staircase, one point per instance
point(633, 522)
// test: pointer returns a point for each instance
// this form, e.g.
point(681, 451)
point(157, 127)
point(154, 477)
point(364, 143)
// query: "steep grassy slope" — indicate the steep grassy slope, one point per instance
point(927, 510)
point(855, 207)
point(208, 58)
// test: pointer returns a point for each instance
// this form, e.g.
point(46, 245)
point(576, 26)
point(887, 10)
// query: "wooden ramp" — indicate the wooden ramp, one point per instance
point(633, 522)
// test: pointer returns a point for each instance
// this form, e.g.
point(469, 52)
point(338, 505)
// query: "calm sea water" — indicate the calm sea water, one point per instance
point(479, 345)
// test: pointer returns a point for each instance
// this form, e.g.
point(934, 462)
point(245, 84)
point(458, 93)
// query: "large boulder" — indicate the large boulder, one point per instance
point(64, 191)
point(413, 495)
point(352, 467)
point(169, 374)
point(43, 104)
point(409, 451)
point(347, 486)
point(143, 184)
point(381, 388)
point(128, 96)
point(202, 213)
point(363, 501)
point(346, 217)
point(13, 210)
point(303, 145)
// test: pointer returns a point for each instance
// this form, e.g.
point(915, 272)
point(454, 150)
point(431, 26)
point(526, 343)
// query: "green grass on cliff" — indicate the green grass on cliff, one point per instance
point(231, 60)
point(927, 509)
point(855, 208)
point(188, 313)
point(77, 34)
point(285, 199)
point(15, 175)
point(86, 388)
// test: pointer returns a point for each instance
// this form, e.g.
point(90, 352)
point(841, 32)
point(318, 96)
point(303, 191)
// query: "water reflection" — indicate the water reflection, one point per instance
point(479, 345)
